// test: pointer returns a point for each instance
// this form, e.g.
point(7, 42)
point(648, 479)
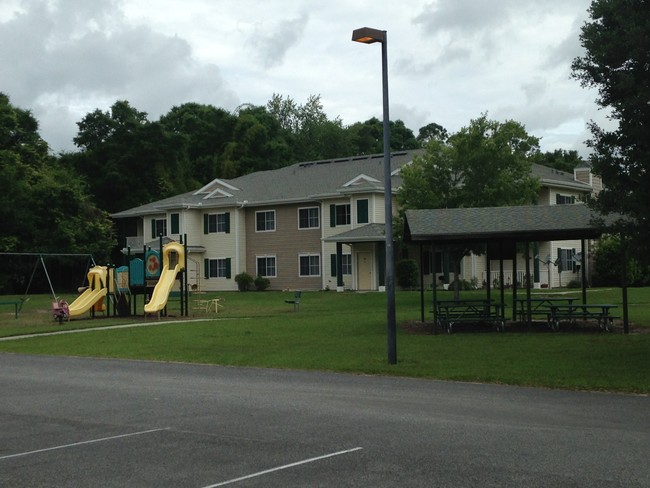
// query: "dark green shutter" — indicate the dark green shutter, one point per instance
point(332, 215)
point(206, 269)
point(153, 228)
point(362, 211)
point(205, 224)
point(175, 222)
point(228, 268)
point(227, 222)
point(333, 263)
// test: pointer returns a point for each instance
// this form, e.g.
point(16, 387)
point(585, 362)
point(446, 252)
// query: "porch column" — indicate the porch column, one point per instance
point(381, 265)
point(339, 266)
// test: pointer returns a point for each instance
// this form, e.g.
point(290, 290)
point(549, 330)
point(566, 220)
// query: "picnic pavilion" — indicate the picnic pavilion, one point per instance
point(500, 230)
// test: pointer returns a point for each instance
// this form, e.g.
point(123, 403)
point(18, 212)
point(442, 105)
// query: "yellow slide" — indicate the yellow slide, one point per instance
point(167, 277)
point(96, 291)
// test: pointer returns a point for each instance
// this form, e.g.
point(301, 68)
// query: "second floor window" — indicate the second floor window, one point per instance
point(308, 218)
point(214, 223)
point(265, 221)
point(340, 215)
point(158, 227)
point(564, 199)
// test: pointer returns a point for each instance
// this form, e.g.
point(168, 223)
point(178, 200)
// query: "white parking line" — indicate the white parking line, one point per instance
point(286, 466)
point(81, 443)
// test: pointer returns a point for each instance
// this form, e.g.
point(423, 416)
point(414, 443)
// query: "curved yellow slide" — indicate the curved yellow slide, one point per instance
point(95, 292)
point(162, 289)
point(167, 277)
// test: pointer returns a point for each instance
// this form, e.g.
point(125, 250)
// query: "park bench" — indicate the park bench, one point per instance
point(17, 304)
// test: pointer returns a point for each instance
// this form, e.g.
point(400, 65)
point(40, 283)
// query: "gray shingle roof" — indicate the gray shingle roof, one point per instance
point(312, 180)
point(367, 233)
point(532, 223)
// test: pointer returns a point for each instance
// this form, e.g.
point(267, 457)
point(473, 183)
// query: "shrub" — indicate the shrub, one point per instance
point(408, 275)
point(261, 283)
point(244, 281)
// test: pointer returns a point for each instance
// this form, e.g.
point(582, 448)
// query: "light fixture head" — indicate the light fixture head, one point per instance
point(367, 35)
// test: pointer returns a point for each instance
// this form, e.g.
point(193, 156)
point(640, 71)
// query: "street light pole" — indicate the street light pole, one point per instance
point(367, 35)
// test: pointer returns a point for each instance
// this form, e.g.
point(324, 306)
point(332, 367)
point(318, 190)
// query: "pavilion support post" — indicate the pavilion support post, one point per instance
point(502, 295)
point(434, 284)
point(529, 316)
point(421, 282)
point(583, 270)
point(515, 286)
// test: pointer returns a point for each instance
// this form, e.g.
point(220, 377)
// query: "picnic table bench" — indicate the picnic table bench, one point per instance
point(539, 305)
point(452, 312)
point(17, 304)
point(571, 313)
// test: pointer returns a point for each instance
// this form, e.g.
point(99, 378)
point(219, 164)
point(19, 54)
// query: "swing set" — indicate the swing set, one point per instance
point(60, 308)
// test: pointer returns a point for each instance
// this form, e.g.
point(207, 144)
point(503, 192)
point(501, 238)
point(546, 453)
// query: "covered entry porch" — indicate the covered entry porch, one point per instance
point(368, 257)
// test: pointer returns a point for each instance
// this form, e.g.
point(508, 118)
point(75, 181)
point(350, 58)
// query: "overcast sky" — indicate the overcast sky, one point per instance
point(449, 60)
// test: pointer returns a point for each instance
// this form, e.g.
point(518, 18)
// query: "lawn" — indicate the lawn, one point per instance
point(346, 332)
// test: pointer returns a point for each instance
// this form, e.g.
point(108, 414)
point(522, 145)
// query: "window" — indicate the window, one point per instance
point(217, 268)
point(310, 265)
point(346, 264)
point(339, 215)
point(564, 199)
point(158, 227)
point(566, 260)
point(362, 211)
point(308, 218)
point(175, 223)
point(265, 221)
point(266, 266)
point(213, 223)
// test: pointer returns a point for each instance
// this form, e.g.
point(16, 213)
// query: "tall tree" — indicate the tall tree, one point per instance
point(560, 159)
point(44, 207)
point(616, 62)
point(367, 137)
point(204, 131)
point(127, 159)
point(487, 164)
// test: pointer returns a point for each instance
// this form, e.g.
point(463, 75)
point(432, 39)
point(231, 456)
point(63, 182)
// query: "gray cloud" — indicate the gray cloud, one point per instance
point(270, 43)
point(78, 52)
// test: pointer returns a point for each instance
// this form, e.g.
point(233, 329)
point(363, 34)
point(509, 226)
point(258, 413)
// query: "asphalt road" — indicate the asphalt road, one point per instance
point(74, 422)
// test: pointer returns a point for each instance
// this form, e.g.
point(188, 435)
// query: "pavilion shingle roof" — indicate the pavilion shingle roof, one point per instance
point(524, 223)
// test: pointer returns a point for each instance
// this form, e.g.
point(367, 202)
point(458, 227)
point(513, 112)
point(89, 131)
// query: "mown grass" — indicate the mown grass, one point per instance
point(346, 332)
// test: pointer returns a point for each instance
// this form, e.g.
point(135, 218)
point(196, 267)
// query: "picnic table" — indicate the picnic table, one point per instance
point(452, 312)
point(539, 305)
point(601, 312)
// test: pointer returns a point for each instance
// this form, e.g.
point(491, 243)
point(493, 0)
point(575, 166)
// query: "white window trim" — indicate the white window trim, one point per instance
point(308, 208)
point(320, 265)
point(266, 256)
point(275, 220)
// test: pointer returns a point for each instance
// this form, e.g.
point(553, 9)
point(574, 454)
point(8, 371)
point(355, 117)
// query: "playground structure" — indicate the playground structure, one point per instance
point(173, 263)
point(152, 279)
point(114, 290)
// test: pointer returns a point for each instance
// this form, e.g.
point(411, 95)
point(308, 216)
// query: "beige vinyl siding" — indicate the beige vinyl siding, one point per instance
point(286, 243)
